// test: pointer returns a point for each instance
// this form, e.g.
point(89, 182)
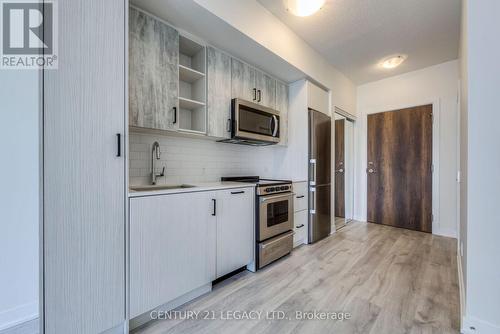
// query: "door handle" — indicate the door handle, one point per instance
point(370, 170)
point(276, 125)
point(175, 115)
point(300, 196)
point(340, 170)
point(300, 226)
point(312, 209)
point(119, 144)
point(313, 164)
point(255, 94)
point(260, 95)
point(237, 192)
point(214, 212)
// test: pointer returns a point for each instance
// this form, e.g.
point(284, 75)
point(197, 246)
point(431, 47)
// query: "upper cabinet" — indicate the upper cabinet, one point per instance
point(243, 81)
point(218, 93)
point(266, 90)
point(153, 72)
point(178, 83)
point(318, 98)
point(252, 85)
point(282, 107)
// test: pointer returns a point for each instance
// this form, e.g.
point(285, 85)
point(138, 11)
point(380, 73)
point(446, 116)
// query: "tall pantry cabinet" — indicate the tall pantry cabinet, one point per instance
point(84, 185)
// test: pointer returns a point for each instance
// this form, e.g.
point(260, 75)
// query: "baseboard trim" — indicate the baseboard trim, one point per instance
point(27, 327)
point(18, 315)
point(146, 317)
point(473, 325)
point(461, 288)
point(450, 233)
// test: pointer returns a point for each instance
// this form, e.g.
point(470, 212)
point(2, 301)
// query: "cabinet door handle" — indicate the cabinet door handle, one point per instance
point(300, 226)
point(214, 212)
point(119, 144)
point(175, 115)
point(255, 94)
point(300, 196)
point(260, 95)
point(237, 192)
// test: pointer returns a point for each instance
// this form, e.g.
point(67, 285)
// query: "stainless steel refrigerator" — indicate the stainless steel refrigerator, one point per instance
point(320, 128)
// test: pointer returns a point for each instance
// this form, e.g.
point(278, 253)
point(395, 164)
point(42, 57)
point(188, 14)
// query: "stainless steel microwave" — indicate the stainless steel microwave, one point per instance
point(253, 124)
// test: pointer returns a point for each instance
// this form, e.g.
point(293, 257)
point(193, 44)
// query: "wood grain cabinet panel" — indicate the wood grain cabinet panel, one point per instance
point(219, 93)
point(266, 86)
point(153, 73)
point(84, 176)
point(243, 81)
point(282, 107)
point(235, 229)
point(172, 247)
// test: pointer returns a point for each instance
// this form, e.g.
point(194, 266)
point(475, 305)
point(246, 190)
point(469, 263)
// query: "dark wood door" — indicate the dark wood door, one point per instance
point(400, 168)
point(339, 168)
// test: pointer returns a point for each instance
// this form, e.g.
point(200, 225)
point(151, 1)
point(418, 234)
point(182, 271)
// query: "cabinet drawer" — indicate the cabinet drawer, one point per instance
point(300, 199)
point(300, 228)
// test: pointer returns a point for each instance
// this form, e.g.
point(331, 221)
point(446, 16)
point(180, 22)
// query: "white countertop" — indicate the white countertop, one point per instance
point(205, 186)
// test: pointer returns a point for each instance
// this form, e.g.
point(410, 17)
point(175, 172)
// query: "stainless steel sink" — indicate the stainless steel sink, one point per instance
point(161, 187)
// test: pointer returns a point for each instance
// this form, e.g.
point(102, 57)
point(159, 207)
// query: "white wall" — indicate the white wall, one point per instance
point(252, 19)
point(19, 179)
point(483, 185)
point(436, 84)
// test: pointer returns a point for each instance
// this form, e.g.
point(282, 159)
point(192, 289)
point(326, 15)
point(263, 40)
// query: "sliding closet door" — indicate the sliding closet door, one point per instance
point(84, 171)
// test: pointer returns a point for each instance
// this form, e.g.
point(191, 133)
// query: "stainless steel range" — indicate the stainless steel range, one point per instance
point(274, 219)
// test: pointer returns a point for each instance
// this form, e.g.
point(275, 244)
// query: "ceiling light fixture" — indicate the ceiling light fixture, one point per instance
point(303, 7)
point(393, 61)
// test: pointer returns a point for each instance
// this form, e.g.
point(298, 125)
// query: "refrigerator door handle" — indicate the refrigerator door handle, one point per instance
point(313, 164)
point(312, 205)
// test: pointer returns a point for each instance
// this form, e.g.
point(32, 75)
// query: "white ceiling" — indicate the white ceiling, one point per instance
point(354, 35)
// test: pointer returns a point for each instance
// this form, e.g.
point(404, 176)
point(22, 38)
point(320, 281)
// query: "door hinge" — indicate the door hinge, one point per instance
point(432, 217)
point(432, 168)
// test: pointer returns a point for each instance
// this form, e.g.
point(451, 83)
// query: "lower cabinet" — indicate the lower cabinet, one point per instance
point(235, 229)
point(181, 242)
point(300, 228)
point(172, 247)
point(301, 216)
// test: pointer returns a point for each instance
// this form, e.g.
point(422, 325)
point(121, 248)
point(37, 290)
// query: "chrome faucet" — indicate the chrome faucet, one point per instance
point(155, 153)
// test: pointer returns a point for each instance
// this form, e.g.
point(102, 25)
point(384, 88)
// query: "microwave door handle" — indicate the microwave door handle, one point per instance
point(276, 125)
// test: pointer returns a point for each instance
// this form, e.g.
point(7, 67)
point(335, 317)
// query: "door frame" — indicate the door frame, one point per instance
point(436, 112)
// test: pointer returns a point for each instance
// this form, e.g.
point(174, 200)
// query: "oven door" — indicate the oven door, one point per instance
point(275, 215)
point(255, 122)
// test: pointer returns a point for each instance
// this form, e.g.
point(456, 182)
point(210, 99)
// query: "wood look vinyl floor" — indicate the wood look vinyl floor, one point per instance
point(389, 280)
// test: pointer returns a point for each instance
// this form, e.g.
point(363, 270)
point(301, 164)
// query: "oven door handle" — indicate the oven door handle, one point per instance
point(268, 198)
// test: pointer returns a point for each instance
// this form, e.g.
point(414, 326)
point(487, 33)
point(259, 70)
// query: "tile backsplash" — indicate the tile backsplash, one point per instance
point(196, 160)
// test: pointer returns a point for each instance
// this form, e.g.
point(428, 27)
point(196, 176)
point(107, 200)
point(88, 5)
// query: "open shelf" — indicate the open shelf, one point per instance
point(188, 104)
point(191, 54)
point(192, 86)
point(189, 75)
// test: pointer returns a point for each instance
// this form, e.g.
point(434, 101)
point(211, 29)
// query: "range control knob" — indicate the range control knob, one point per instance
point(284, 187)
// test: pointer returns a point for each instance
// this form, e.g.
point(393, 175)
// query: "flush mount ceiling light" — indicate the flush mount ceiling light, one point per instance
point(303, 7)
point(393, 61)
